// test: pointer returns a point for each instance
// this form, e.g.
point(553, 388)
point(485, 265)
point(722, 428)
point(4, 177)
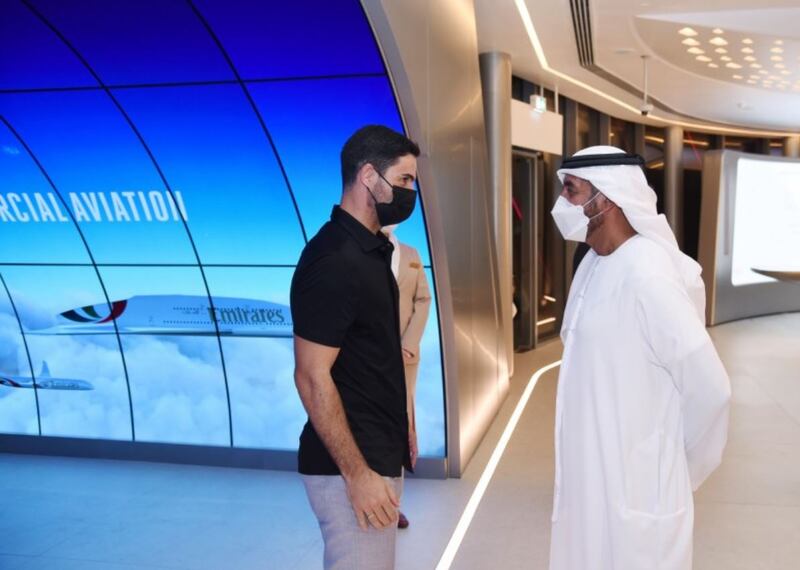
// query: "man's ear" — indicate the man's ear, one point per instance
point(366, 175)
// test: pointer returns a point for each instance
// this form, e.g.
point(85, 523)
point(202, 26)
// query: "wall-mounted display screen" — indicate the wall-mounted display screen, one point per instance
point(156, 156)
point(766, 229)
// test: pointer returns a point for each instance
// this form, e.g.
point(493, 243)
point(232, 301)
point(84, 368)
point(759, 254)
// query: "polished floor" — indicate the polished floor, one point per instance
point(75, 514)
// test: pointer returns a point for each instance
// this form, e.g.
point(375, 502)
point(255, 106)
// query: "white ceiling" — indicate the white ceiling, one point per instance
point(701, 95)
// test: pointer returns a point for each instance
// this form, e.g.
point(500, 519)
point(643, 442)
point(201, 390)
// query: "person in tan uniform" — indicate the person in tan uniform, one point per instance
point(415, 302)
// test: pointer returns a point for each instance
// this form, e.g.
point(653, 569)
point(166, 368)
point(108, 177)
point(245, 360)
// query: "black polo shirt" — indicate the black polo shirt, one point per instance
point(344, 295)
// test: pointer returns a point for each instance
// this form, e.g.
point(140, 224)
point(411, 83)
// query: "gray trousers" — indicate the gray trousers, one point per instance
point(347, 547)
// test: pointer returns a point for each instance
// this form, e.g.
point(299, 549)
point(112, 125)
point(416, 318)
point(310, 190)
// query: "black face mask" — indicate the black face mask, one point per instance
point(399, 209)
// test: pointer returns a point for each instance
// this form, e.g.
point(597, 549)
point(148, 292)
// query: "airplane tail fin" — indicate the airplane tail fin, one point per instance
point(45, 373)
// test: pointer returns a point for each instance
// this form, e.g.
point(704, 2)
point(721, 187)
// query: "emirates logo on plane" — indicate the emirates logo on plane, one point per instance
point(90, 314)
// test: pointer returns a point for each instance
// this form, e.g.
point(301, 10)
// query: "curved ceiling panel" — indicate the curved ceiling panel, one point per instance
point(738, 57)
point(545, 48)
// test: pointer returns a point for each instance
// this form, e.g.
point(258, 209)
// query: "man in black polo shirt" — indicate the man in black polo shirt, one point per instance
point(348, 357)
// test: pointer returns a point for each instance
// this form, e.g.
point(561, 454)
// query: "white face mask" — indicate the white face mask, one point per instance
point(571, 220)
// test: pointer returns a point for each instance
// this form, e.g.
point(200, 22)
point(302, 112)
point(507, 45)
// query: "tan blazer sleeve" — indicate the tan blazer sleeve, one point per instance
point(420, 307)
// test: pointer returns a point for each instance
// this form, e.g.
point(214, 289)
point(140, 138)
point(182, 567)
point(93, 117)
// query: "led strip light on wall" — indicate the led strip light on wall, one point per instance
point(460, 531)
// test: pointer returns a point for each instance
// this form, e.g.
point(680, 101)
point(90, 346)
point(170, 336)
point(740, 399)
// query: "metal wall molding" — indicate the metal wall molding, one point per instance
point(495, 70)
point(431, 50)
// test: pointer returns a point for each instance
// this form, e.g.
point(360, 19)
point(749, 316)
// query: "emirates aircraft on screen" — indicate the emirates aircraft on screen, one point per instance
point(43, 381)
point(176, 315)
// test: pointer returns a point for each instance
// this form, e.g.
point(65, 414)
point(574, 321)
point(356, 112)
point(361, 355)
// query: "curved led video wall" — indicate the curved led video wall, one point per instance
point(155, 154)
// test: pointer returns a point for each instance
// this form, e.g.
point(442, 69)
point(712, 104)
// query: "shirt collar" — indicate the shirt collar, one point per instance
point(365, 238)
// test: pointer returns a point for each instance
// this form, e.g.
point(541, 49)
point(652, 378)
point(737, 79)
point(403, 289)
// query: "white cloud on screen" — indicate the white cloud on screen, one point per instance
point(178, 388)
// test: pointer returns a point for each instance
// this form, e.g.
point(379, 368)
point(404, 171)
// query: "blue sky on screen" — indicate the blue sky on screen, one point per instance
point(226, 181)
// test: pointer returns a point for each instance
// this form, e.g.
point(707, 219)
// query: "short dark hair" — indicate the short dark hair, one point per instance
point(377, 145)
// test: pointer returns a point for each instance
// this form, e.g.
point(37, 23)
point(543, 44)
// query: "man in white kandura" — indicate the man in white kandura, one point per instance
point(643, 399)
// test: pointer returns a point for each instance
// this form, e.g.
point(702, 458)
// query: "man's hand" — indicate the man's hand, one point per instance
point(412, 446)
point(407, 355)
point(373, 498)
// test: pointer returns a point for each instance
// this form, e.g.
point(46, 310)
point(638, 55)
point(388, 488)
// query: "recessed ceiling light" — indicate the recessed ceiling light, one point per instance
point(703, 58)
point(778, 42)
point(690, 42)
point(721, 50)
point(755, 76)
point(718, 41)
point(776, 50)
point(688, 32)
point(733, 65)
point(751, 81)
point(713, 65)
point(779, 66)
point(747, 50)
point(747, 41)
point(786, 72)
point(763, 71)
point(749, 58)
point(725, 58)
point(776, 58)
point(718, 31)
point(755, 65)
point(695, 50)
point(737, 77)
